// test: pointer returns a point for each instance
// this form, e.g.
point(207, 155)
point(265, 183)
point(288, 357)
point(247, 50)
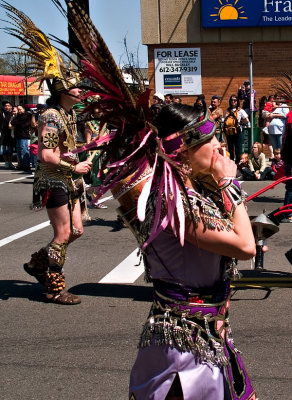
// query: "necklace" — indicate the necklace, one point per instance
point(70, 128)
point(94, 124)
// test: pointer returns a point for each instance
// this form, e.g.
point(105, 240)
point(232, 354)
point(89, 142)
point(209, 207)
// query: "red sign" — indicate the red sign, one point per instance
point(15, 86)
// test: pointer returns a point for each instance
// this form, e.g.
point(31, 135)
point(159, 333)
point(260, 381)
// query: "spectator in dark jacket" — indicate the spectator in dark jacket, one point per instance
point(6, 140)
point(245, 95)
point(22, 126)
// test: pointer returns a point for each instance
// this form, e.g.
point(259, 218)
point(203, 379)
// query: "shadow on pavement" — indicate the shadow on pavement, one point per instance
point(265, 275)
point(21, 289)
point(266, 199)
point(35, 292)
point(117, 226)
point(137, 293)
point(261, 281)
point(267, 291)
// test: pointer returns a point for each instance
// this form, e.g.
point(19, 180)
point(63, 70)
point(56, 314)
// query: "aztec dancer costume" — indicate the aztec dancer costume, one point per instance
point(53, 184)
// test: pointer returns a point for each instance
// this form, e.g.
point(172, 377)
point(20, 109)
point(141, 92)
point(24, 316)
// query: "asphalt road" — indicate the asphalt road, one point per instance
point(86, 351)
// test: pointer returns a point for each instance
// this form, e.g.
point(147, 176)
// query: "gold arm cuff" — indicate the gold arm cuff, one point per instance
point(50, 140)
point(66, 167)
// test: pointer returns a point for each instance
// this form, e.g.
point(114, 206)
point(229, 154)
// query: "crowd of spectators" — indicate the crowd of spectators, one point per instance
point(270, 157)
point(272, 119)
point(19, 132)
point(18, 129)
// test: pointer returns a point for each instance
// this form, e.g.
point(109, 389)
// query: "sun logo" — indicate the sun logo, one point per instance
point(228, 11)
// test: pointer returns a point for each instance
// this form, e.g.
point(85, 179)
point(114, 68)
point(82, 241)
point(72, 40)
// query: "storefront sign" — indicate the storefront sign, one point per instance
point(245, 13)
point(178, 71)
point(11, 85)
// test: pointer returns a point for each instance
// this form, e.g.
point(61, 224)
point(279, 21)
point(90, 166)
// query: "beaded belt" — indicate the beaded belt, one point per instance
point(181, 317)
point(196, 321)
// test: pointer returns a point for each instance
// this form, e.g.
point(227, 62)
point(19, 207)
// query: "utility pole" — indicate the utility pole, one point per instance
point(25, 81)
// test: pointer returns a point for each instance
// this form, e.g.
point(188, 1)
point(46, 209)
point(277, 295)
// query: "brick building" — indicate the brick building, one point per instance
point(173, 24)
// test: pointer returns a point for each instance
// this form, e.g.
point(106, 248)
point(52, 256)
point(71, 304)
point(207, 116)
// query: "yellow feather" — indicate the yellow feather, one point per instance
point(47, 62)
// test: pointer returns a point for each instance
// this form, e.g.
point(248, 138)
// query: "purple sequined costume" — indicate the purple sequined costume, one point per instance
point(187, 332)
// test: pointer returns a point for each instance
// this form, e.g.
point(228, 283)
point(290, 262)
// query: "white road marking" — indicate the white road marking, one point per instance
point(35, 228)
point(9, 171)
point(17, 179)
point(18, 235)
point(128, 271)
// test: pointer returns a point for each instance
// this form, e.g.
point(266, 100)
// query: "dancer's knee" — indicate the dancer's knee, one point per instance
point(76, 233)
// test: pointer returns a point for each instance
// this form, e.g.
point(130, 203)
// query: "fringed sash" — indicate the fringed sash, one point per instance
point(196, 321)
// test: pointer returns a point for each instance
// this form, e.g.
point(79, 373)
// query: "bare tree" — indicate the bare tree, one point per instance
point(132, 67)
point(16, 63)
point(4, 67)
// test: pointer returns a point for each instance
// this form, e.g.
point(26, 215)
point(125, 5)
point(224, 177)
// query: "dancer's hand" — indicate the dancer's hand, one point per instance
point(83, 167)
point(265, 248)
point(222, 166)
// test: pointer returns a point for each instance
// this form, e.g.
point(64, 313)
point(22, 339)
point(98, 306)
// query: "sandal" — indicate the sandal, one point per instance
point(63, 297)
point(32, 271)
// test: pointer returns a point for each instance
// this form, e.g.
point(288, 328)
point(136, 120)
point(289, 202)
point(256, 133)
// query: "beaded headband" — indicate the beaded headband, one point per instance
point(191, 135)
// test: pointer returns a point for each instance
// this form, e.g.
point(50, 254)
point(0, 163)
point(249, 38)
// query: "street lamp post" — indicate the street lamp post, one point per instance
point(250, 55)
point(25, 81)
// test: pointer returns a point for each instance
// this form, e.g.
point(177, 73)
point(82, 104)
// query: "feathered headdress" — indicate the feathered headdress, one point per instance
point(126, 113)
point(44, 61)
point(98, 63)
point(284, 86)
point(139, 162)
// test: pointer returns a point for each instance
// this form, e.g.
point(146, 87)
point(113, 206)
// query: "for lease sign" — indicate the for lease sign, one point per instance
point(178, 71)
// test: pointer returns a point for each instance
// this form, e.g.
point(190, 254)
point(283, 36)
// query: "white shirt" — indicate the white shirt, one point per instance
point(241, 114)
point(277, 125)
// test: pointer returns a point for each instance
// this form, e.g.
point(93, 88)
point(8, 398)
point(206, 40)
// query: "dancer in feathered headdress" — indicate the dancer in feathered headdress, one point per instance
point(53, 186)
point(179, 197)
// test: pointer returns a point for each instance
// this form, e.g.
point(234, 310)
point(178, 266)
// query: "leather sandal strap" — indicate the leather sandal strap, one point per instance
point(63, 297)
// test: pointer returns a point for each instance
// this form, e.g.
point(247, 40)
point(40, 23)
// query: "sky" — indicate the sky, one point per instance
point(114, 19)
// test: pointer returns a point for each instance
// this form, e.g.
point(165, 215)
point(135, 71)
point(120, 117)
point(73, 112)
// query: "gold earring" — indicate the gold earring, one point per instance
point(187, 168)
